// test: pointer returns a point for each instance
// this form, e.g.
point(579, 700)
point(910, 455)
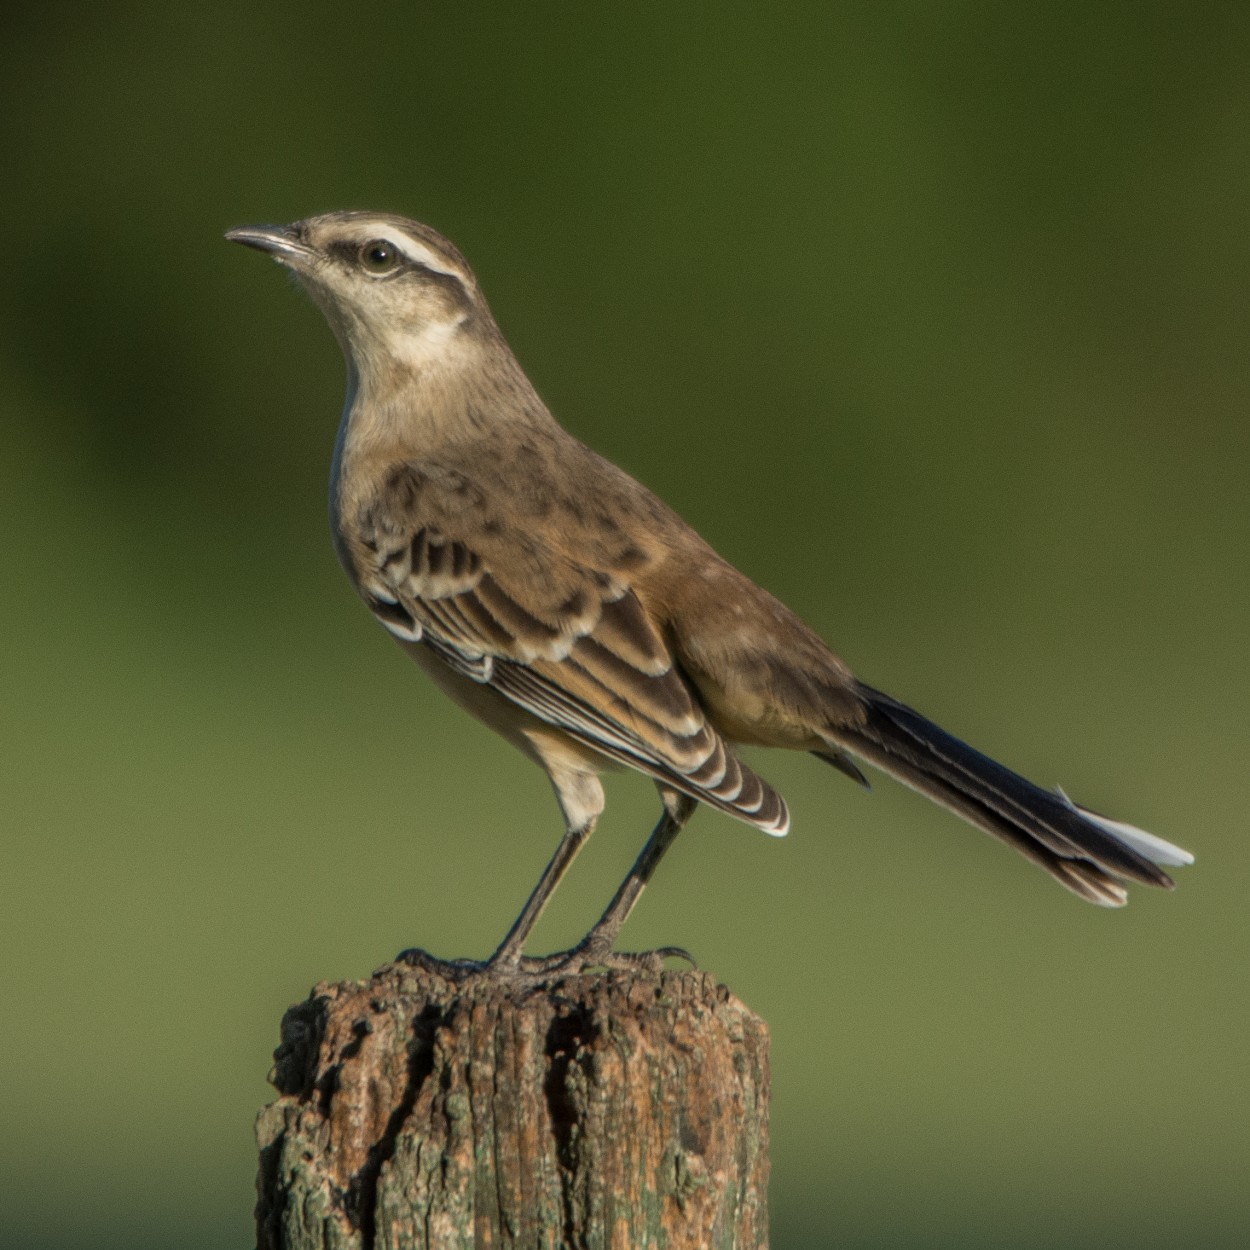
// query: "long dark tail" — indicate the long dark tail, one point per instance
point(1091, 855)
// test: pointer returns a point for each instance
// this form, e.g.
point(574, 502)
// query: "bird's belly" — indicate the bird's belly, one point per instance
point(531, 736)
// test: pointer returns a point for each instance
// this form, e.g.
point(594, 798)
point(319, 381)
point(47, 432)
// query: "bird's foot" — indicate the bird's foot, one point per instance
point(448, 969)
point(533, 971)
point(587, 957)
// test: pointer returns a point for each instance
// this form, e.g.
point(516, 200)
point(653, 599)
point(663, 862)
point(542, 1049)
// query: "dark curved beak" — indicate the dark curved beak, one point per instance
point(281, 242)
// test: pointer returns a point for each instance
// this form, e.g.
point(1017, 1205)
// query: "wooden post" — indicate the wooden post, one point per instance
point(605, 1112)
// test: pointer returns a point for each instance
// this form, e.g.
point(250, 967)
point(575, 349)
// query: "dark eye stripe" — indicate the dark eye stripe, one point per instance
point(342, 250)
point(349, 254)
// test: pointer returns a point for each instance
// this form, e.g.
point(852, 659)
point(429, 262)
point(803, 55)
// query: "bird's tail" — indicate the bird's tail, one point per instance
point(1091, 855)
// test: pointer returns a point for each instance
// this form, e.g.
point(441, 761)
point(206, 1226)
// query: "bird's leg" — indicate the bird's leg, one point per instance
point(508, 957)
point(596, 947)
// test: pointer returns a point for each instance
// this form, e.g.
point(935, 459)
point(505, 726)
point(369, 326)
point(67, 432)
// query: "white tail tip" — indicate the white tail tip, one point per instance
point(1154, 849)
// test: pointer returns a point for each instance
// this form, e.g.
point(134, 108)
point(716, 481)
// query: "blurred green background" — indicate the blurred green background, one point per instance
point(931, 317)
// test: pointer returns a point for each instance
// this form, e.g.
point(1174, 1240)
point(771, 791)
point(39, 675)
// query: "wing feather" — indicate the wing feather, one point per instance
point(570, 643)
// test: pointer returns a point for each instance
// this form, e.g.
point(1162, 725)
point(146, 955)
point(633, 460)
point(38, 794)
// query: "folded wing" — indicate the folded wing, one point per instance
point(570, 643)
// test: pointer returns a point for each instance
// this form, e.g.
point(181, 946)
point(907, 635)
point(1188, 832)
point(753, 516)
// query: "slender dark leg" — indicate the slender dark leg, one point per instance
point(596, 947)
point(598, 943)
point(509, 953)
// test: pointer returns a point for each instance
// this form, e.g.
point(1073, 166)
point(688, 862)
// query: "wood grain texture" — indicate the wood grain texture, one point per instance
point(614, 1111)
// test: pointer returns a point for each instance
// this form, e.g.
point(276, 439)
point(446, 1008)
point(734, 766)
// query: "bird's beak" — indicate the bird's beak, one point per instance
point(281, 242)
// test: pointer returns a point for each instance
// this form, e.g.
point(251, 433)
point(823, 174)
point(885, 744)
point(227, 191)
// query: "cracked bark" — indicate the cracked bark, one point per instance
point(600, 1113)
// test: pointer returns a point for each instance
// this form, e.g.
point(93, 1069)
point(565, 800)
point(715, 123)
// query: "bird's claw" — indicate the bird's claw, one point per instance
point(591, 957)
point(532, 971)
point(448, 969)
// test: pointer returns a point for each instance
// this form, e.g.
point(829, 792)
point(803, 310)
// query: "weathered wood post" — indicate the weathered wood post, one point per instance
point(610, 1111)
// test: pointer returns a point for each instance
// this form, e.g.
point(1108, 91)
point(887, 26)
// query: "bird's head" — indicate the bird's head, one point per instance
point(395, 292)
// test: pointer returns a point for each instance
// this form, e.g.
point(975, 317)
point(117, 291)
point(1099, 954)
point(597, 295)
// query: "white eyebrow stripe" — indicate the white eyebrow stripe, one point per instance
point(414, 249)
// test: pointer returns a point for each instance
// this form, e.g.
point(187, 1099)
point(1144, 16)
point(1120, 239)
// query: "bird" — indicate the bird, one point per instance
point(562, 603)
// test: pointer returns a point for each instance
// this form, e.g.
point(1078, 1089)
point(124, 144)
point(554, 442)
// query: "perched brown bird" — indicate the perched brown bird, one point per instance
point(560, 602)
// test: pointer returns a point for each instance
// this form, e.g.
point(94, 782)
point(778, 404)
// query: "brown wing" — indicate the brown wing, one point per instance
point(570, 643)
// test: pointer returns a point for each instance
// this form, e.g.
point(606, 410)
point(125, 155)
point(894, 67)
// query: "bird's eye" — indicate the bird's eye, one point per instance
point(379, 256)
